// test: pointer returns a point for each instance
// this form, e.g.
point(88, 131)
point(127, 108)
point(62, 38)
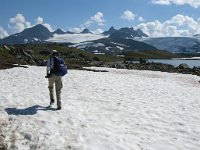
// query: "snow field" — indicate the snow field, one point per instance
point(115, 110)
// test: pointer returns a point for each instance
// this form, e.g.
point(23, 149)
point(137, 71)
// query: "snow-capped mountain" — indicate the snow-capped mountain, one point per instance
point(116, 41)
point(40, 34)
point(113, 46)
point(127, 39)
point(175, 44)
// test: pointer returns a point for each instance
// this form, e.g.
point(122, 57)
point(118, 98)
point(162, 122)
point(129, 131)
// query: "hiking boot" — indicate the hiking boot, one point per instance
point(51, 101)
point(59, 108)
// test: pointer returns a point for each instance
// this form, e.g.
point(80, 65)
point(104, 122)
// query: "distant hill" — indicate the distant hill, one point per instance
point(59, 31)
point(37, 33)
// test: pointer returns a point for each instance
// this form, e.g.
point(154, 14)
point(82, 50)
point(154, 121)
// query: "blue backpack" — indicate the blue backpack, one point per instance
point(59, 69)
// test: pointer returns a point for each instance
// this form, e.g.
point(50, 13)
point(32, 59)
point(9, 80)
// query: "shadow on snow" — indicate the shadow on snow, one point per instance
point(28, 111)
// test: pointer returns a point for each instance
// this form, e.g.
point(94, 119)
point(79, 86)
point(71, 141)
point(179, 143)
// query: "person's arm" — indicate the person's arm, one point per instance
point(49, 67)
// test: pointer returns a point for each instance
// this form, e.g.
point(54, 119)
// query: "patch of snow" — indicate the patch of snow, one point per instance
point(121, 48)
point(95, 51)
point(36, 39)
point(120, 44)
point(86, 44)
point(98, 44)
point(99, 53)
point(108, 48)
point(75, 38)
point(115, 110)
point(82, 45)
point(25, 40)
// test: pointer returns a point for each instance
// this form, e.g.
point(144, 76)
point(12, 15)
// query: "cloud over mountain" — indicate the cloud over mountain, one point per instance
point(19, 23)
point(3, 33)
point(39, 20)
point(178, 25)
point(97, 19)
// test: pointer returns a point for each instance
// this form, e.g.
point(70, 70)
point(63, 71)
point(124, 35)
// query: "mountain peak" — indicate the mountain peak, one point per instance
point(110, 31)
point(59, 31)
point(37, 33)
point(38, 27)
point(128, 33)
point(86, 31)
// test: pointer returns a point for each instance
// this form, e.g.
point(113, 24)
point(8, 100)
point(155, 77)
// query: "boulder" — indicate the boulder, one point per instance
point(183, 66)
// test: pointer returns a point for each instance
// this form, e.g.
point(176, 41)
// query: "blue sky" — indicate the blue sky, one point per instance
point(154, 17)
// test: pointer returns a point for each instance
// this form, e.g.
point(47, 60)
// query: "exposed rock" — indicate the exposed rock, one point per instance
point(183, 66)
point(6, 47)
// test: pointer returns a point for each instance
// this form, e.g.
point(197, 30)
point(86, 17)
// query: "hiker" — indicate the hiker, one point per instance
point(55, 70)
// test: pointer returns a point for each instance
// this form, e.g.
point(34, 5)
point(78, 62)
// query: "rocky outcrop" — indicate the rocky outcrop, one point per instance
point(183, 68)
point(12, 55)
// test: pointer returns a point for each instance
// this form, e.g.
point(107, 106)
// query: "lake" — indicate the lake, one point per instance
point(176, 62)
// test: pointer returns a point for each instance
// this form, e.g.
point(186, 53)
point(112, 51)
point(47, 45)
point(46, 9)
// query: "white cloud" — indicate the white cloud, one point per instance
point(161, 2)
point(48, 26)
point(178, 25)
point(98, 31)
point(18, 23)
point(98, 18)
point(3, 33)
point(141, 19)
point(193, 3)
point(76, 30)
point(39, 20)
point(128, 15)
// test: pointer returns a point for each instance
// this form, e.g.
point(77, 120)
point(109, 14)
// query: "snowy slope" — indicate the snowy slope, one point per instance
point(115, 110)
point(75, 38)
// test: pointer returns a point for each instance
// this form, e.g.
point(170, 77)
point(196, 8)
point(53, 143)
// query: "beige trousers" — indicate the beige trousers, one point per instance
point(57, 80)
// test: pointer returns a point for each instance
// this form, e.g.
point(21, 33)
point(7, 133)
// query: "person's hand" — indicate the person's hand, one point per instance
point(48, 75)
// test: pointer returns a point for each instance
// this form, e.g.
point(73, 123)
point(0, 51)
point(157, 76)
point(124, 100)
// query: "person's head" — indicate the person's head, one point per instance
point(54, 53)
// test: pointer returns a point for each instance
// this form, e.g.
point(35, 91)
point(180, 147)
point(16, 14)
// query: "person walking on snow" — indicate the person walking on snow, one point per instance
point(55, 70)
